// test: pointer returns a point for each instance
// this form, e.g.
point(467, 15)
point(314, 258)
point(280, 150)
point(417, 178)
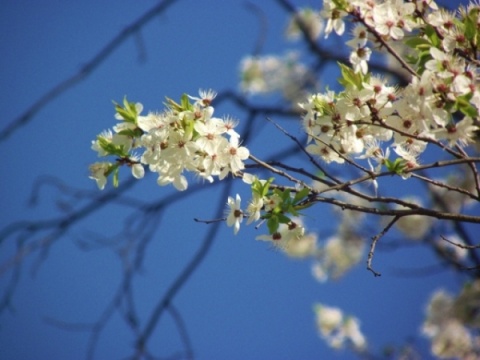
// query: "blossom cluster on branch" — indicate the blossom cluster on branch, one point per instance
point(375, 125)
point(185, 137)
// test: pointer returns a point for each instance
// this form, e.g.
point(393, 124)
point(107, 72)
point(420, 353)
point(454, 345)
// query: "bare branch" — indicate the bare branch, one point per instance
point(445, 186)
point(263, 24)
point(463, 246)
point(182, 331)
point(279, 172)
point(474, 170)
point(86, 70)
point(180, 281)
point(302, 148)
point(374, 243)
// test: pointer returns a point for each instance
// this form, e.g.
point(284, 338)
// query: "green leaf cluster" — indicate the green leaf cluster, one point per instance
point(128, 111)
point(289, 205)
point(422, 45)
point(397, 166)
point(260, 189)
point(112, 149)
point(350, 78)
point(184, 105)
point(470, 26)
point(463, 104)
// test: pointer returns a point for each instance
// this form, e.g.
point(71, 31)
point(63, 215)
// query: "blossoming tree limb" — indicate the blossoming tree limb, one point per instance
point(366, 122)
point(406, 111)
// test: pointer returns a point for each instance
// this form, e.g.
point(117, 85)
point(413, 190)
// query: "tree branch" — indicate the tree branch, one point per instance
point(374, 243)
point(85, 71)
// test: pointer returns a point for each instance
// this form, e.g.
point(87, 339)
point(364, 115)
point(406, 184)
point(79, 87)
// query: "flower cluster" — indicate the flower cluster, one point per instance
point(309, 19)
point(453, 323)
point(185, 137)
point(343, 250)
point(280, 210)
point(347, 124)
point(338, 329)
point(370, 117)
point(270, 74)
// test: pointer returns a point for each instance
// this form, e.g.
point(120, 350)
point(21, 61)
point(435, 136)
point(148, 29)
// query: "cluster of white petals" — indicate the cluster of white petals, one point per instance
point(342, 251)
point(292, 240)
point(341, 125)
point(184, 138)
point(309, 19)
point(338, 329)
point(271, 74)
point(368, 120)
point(452, 323)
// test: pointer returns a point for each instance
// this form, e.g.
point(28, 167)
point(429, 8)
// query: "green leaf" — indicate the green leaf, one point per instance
point(432, 36)
point(349, 77)
point(285, 195)
point(471, 24)
point(417, 42)
point(462, 103)
point(302, 194)
point(128, 112)
point(185, 101)
point(423, 57)
point(172, 105)
point(188, 126)
point(293, 211)
point(115, 176)
point(110, 148)
point(340, 4)
point(283, 219)
point(134, 133)
point(130, 107)
point(266, 186)
point(272, 224)
point(411, 59)
point(261, 188)
point(397, 166)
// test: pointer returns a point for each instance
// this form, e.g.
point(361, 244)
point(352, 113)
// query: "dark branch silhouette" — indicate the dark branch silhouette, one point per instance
point(86, 70)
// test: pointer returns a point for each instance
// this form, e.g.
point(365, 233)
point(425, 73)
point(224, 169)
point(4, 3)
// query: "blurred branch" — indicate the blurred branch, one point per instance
point(58, 225)
point(263, 26)
point(86, 69)
point(374, 243)
point(165, 301)
point(255, 110)
point(462, 246)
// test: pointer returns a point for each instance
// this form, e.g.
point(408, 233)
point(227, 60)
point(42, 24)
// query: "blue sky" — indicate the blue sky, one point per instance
point(245, 301)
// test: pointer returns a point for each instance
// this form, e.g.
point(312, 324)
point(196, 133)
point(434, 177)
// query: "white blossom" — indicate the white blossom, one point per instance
point(235, 214)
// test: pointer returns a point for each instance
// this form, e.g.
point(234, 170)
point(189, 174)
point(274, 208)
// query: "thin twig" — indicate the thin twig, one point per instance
point(182, 330)
point(303, 149)
point(209, 221)
point(474, 171)
point(384, 125)
point(279, 172)
point(446, 186)
point(263, 22)
point(374, 243)
point(463, 246)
